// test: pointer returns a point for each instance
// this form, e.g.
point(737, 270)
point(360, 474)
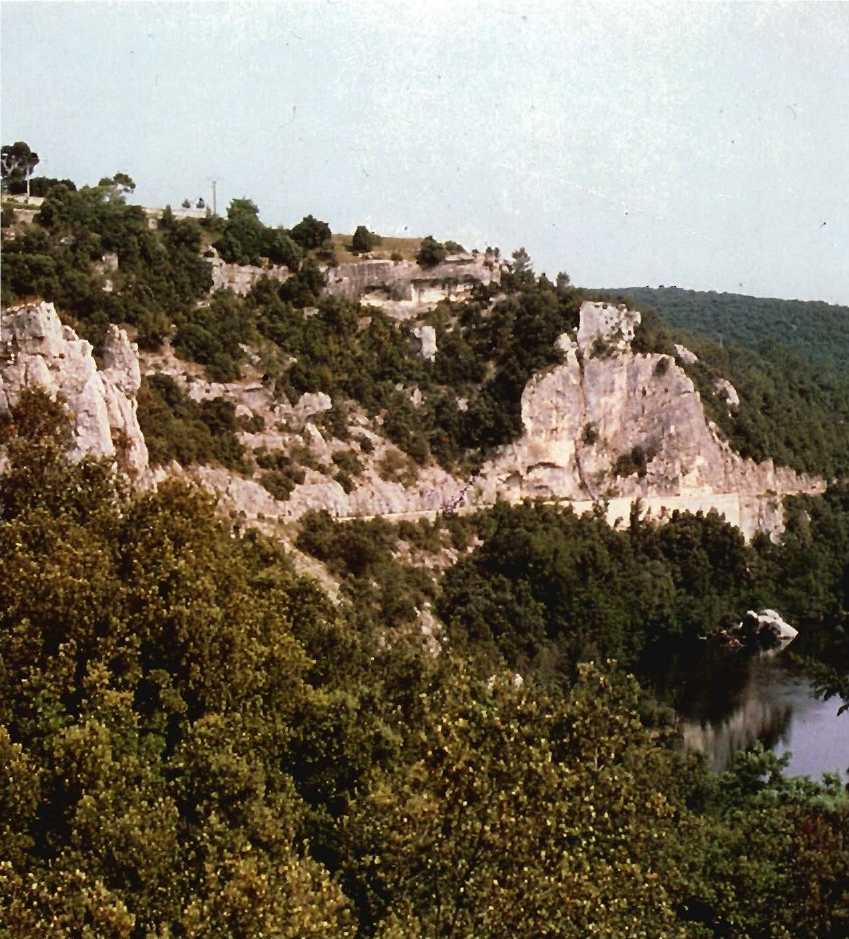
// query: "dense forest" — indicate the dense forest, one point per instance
point(196, 742)
point(816, 332)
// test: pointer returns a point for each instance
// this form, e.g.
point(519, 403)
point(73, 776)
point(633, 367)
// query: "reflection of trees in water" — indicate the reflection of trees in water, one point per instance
point(757, 712)
point(704, 683)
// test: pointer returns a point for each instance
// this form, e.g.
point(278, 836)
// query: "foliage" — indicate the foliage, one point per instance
point(39, 186)
point(281, 474)
point(17, 161)
point(213, 334)
point(177, 428)
point(364, 240)
point(516, 817)
point(159, 273)
point(361, 553)
point(431, 252)
point(310, 232)
point(548, 589)
point(245, 240)
point(817, 333)
point(196, 742)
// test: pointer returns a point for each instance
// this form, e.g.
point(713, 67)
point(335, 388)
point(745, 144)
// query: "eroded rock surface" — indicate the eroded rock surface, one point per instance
point(609, 424)
point(403, 289)
point(38, 351)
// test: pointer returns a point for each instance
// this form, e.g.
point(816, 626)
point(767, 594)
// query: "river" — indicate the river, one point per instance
point(728, 701)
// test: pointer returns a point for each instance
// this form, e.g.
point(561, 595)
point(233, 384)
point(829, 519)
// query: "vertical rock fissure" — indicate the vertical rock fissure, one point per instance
point(581, 424)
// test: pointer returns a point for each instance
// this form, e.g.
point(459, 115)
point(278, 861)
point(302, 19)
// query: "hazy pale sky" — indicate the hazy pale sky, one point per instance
point(701, 145)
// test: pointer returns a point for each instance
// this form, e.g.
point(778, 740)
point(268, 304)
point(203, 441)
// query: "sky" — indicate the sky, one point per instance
point(702, 145)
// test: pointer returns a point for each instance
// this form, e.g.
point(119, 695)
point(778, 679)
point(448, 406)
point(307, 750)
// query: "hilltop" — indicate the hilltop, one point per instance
point(818, 333)
point(289, 378)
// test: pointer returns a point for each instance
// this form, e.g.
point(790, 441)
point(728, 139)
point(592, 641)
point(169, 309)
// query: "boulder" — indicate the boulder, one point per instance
point(763, 630)
point(426, 336)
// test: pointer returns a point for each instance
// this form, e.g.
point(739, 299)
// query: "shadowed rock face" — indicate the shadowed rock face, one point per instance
point(40, 352)
point(404, 289)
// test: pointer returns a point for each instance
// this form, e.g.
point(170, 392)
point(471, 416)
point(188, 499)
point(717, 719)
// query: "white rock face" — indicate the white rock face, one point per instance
point(613, 428)
point(727, 392)
point(40, 352)
point(403, 289)
point(583, 418)
point(579, 418)
point(612, 325)
point(687, 357)
point(313, 403)
point(426, 336)
point(241, 277)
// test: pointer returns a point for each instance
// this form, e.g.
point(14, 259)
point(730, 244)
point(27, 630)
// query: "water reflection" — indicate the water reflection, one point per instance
point(758, 711)
point(726, 702)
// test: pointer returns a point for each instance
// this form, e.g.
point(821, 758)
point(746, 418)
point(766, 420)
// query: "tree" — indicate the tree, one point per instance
point(431, 252)
point(242, 207)
point(120, 182)
point(523, 268)
point(311, 232)
point(363, 240)
point(520, 815)
point(18, 162)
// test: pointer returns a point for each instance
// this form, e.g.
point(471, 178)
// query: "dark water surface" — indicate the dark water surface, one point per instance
point(728, 701)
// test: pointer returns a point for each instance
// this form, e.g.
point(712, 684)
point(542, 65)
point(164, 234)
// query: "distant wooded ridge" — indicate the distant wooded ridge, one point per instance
point(817, 332)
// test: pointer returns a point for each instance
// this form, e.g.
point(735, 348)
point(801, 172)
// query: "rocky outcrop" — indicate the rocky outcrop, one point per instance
point(727, 392)
point(604, 426)
point(38, 351)
point(426, 337)
point(403, 289)
point(241, 277)
point(765, 630)
point(609, 424)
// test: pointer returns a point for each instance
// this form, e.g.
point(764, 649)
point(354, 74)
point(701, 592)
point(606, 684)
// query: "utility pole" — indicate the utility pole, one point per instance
point(214, 198)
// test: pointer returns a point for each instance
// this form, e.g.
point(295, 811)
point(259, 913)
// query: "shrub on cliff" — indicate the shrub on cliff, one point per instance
point(431, 252)
point(177, 428)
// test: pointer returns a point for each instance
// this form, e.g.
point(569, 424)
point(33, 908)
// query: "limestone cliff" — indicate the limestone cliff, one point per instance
point(402, 288)
point(240, 278)
point(611, 425)
point(607, 425)
point(37, 350)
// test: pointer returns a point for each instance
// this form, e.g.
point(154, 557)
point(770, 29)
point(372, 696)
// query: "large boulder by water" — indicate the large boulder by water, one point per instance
point(763, 630)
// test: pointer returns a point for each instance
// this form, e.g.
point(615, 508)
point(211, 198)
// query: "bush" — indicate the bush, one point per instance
point(364, 240)
point(348, 462)
point(431, 252)
point(177, 428)
point(635, 461)
point(310, 232)
point(281, 483)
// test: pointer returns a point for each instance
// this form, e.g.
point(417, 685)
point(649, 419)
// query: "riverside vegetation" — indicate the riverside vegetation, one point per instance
point(198, 742)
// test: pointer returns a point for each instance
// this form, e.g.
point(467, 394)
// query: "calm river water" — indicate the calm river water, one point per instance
point(727, 702)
